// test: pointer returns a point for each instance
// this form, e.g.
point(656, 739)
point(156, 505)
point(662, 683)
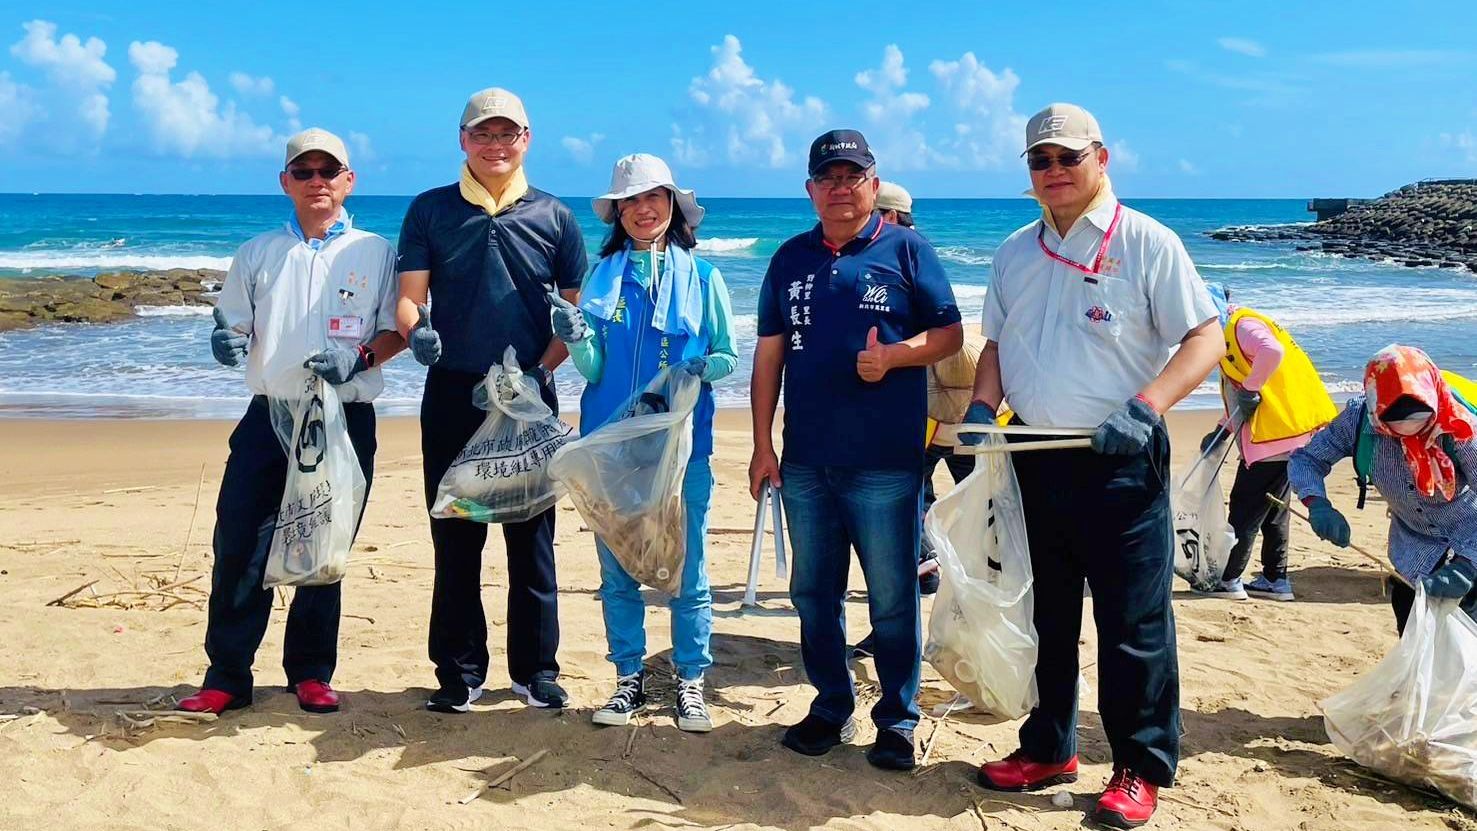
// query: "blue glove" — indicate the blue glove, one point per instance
point(569, 321)
point(1327, 522)
point(978, 413)
point(337, 365)
point(425, 344)
point(1245, 403)
point(226, 344)
point(1127, 431)
point(693, 366)
point(1452, 581)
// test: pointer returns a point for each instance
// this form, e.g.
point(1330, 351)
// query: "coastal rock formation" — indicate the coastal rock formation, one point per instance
point(102, 299)
point(1424, 224)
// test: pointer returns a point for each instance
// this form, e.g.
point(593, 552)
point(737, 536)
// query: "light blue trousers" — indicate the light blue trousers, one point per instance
point(692, 608)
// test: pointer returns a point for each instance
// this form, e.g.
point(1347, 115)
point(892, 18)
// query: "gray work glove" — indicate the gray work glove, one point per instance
point(1211, 438)
point(425, 343)
point(336, 364)
point(226, 344)
point(694, 366)
point(978, 413)
point(1127, 431)
point(1452, 581)
point(569, 321)
point(1245, 403)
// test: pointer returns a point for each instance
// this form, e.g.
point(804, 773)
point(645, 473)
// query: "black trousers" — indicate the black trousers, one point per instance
point(1104, 519)
point(959, 467)
point(1251, 512)
point(458, 636)
point(245, 516)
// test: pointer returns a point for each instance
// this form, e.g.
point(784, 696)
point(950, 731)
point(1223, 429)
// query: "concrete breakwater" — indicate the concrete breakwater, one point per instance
point(102, 299)
point(1431, 223)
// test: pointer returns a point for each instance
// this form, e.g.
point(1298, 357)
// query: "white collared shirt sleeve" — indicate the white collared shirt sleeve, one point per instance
point(992, 319)
point(1178, 299)
point(389, 299)
point(237, 299)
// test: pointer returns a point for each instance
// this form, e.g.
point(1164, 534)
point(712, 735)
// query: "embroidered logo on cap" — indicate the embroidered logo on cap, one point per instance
point(1052, 123)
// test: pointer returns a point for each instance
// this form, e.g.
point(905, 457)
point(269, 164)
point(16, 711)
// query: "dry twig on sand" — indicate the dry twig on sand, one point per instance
point(64, 598)
point(179, 563)
point(521, 766)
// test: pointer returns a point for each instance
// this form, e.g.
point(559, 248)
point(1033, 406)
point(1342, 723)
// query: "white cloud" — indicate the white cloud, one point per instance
point(16, 108)
point(1243, 46)
point(1464, 141)
point(292, 111)
point(1187, 168)
point(1122, 157)
point(361, 148)
point(1267, 89)
point(75, 67)
point(743, 118)
point(987, 130)
point(897, 142)
point(187, 119)
point(582, 150)
point(247, 85)
point(1391, 58)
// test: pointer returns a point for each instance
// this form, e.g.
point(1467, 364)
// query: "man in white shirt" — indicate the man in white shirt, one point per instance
point(1096, 318)
point(315, 295)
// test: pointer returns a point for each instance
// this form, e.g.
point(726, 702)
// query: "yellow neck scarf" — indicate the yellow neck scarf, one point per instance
point(509, 191)
point(1103, 196)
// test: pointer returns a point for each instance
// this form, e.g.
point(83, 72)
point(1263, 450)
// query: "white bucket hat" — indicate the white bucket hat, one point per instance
point(639, 173)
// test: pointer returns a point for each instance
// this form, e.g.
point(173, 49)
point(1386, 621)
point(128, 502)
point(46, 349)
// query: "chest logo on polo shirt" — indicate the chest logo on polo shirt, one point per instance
point(1097, 314)
point(874, 299)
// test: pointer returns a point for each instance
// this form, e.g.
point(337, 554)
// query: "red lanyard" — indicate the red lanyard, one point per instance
point(1101, 251)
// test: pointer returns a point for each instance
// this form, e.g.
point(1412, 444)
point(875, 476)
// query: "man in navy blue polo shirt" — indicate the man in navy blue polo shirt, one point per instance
point(850, 314)
point(488, 250)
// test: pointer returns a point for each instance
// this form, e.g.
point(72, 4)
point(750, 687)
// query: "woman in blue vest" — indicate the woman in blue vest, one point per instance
point(648, 304)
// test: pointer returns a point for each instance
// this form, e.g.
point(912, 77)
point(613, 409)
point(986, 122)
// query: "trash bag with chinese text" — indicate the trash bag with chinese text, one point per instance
point(1203, 539)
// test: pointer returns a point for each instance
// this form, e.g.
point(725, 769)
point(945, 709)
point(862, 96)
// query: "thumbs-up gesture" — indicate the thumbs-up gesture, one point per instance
point(425, 343)
point(873, 362)
point(569, 321)
point(226, 344)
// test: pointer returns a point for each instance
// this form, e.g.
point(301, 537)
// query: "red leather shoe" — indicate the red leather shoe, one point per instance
point(316, 697)
point(1017, 772)
point(213, 701)
point(1128, 802)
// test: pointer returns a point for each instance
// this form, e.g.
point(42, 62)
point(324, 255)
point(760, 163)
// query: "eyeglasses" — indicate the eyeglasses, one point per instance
point(849, 181)
point(483, 138)
point(303, 174)
point(1044, 161)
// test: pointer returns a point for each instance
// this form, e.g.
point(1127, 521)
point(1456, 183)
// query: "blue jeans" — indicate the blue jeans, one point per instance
point(692, 608)
point(829, 510)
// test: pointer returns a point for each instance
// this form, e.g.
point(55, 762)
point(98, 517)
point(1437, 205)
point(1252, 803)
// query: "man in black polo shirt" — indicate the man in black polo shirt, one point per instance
point(850, 314)
point(488, 250)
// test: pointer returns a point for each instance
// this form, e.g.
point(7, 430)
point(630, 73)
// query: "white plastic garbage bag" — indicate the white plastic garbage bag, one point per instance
point(980, 636)
point(626, 479)
point(502, 475)
point(1203, 539)
point(325, 489)
point(1413, 718)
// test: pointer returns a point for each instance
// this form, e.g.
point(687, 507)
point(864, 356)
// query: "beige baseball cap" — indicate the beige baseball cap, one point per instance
point(494, 102)
point(1065, 125)
point(894, 197)
point(316, 138)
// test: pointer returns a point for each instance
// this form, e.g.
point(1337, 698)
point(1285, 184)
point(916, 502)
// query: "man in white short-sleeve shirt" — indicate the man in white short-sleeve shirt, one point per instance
point(315, 296)
point(1097, 319)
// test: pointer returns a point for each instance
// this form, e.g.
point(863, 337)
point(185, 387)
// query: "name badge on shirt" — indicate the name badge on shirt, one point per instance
point(346, 326)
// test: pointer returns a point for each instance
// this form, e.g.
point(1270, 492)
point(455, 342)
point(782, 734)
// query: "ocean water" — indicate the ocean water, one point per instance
point(159, 364)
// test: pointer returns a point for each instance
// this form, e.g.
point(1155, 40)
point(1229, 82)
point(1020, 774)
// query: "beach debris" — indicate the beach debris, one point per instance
point(180, 561)
point(519, 768)
point(139, 489)
point(153, 592)
point(1062, 799)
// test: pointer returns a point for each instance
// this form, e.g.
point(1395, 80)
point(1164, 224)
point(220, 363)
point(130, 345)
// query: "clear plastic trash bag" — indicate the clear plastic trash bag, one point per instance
point(324, 495)
point(1203, 539)
point(1413, 718)
point(626, 479)
point(502, 475)
point(981, 638)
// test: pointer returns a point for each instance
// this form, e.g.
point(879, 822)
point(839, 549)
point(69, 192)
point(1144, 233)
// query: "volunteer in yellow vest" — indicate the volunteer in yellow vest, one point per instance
point(1271, 386)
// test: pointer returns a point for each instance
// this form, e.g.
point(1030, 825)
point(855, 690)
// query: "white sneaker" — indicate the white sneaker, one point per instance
point(692, 710)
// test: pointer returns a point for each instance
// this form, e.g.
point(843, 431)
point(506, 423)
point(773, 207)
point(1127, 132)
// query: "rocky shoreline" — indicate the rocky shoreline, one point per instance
point(108, 297)
point(1430, 224)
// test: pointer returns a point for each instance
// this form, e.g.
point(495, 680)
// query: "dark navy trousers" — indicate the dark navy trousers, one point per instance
point(245, 517)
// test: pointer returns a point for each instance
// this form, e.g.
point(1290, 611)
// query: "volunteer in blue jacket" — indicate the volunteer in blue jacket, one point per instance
point(488, 251)
point(850, 314)
point(318, 286)
point(650, 304)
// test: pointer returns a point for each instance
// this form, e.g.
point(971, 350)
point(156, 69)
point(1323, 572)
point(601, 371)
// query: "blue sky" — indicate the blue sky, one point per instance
point(1196, 99)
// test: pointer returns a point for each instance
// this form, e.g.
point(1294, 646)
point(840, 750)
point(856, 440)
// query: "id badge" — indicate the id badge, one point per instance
point(346, 326)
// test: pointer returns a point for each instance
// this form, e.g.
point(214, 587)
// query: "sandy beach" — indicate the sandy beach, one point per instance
point(112, 501)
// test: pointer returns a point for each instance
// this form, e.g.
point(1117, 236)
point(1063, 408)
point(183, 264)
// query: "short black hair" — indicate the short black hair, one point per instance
point(679, 233)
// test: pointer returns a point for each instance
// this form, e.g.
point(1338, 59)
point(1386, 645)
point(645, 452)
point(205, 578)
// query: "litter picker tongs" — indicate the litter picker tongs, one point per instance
point(769, 505)
point(1084, 440)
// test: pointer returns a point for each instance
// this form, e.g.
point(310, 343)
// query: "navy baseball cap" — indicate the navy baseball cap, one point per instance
point(840, 146)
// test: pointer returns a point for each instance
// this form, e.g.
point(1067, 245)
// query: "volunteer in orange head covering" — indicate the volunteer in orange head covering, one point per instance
point(1419, 438)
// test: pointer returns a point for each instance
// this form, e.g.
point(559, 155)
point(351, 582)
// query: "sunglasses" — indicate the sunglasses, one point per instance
point(304, 174)
point(1044, 161)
